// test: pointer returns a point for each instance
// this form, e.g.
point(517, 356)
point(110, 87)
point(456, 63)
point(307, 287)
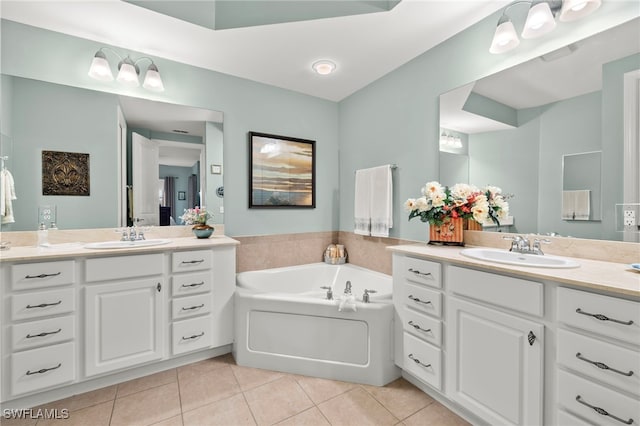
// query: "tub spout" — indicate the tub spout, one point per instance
point(347, 288)
point(329, 292)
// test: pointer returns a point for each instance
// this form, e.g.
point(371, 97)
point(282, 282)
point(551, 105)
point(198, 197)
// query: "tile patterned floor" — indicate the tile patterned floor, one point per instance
point(218, 392)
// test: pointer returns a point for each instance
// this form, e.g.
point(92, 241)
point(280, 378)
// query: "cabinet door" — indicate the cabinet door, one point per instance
point(123, 325)
point(495, 367)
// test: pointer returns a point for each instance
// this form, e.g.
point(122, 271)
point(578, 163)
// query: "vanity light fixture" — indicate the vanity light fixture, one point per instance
point(540, 20)
point(128, 71)
point(450, 141)
point(324, 67)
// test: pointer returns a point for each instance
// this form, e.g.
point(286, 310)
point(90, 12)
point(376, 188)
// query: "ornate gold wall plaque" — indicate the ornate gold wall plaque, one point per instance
point(65, 173)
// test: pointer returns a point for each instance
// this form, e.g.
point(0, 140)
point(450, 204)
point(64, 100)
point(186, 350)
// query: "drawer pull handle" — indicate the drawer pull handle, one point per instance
point(603, 317)
point(417, 327)
point(415, 299)
point(603, 412)
point(603, 366)
point(417, 361)
point(194, 284)
point(189, 262)
point(42, 371)
point(193, 307)
point(44, 333)
point(195, 336)
point(44, 305)
point(417, 272)
point(29, 277)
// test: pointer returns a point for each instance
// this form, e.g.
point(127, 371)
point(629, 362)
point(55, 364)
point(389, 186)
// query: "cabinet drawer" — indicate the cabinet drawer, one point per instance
point(423, 299)
point(422, 360)
point(191, 334)
point(508, 292)
point(574, 392)
point(609, 316)
point(38, 369)
point(191, 283)
point(44, 274)
point(423, 326)
point(44, 332)
point(422, 271)
point(185, 307)
point(42, 303)
point(619, 366)
point(119, 267)
point(195, 260)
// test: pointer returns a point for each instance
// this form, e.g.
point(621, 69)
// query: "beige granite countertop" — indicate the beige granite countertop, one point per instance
point(617, 278)
point(72, 249)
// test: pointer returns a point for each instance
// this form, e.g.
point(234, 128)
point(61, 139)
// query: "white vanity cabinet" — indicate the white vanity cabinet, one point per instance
point(123, 312)
point(598, 357)
point(40, 335)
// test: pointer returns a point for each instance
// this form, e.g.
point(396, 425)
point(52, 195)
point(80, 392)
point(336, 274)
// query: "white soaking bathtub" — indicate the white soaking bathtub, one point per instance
point(284, 322)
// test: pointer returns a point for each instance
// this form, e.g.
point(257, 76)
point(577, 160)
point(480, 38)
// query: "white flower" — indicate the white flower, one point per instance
point(432, 189)
point(422, 204)
point(463, 191)
point(437, 200)
point(492, 190)
point(410, 204)
point(480, 211)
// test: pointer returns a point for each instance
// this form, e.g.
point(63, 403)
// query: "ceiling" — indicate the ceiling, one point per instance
point(279, 54)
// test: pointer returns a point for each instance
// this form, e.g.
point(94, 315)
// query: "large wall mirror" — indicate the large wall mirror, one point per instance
point(514, 128)
point(148, 161)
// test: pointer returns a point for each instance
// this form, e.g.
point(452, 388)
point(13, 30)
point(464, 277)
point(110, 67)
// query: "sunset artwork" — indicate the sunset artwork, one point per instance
point(282, 171)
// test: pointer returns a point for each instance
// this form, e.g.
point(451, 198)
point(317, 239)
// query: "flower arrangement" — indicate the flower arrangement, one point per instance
point(439, 204)
point(196, 216)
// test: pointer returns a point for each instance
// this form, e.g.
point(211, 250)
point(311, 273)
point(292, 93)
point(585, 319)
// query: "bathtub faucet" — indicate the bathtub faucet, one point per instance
point(347, 288)
point(365, 296)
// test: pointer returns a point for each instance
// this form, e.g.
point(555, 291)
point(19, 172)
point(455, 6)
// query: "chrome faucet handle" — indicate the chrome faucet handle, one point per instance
point(536, 245)
point(140, 234)
point(329, 292)
point(124, 236)
point(365, 296)
point(515, 241)
point(347, 287)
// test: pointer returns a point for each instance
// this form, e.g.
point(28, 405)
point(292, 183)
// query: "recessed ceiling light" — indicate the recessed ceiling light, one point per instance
point(324, 67)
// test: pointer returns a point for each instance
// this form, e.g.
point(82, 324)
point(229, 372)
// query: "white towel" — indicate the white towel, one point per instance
point(381, 201)
point(362, 206)
point(576, 205)
point(7, 196)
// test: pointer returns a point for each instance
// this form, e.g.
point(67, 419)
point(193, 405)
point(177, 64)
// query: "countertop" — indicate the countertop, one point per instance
point(67, 250)
point(610, 277)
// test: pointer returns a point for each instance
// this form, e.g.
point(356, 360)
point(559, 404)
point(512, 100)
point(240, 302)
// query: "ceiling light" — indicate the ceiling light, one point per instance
point(540, 20)
point(128, 71)
point(576, 9)
point(324, 67)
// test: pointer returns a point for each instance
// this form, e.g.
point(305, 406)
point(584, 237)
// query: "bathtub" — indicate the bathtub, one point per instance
point(284, 322)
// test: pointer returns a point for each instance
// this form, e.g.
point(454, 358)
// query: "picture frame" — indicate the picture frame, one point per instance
point(282, 171)
point(216, 169)
point(182, 195)
point(65, 173)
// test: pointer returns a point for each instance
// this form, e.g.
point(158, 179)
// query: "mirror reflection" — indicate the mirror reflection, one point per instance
point(581, 186)
point(148, 161)
point(513, 129)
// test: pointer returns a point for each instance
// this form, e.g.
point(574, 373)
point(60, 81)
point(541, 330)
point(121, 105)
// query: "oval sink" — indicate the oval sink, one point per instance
point(126, 244)
point(520, 259)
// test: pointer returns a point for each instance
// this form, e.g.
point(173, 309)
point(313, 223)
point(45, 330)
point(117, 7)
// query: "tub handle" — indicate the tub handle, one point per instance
point(417, 361)
point(329, 292)
point(417, 327)
point(415, 299)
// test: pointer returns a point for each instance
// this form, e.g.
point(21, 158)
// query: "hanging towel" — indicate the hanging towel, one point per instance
point(361, 211)
point(7, 196)
point(576, 205)
point(381, 201)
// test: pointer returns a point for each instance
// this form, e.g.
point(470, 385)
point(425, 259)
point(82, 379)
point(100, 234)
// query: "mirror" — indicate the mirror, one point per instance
point(581, 186)
point(39, 116)
point(517, 126)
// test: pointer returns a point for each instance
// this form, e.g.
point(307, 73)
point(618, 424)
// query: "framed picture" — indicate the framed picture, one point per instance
point(182, 195)
point(65, 173)
point(282, 172)
point(216, 169)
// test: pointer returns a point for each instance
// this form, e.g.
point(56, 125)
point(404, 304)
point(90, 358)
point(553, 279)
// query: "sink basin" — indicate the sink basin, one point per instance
point(126, 244)
point(520, 259)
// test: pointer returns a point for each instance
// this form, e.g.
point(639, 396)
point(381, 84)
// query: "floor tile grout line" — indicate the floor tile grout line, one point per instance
point(253, 416)
point(399, 419)
point(113, 408)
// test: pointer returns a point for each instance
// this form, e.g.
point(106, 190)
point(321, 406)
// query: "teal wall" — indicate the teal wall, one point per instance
point(57, 118)
point(395, 119)
point(247, 106)
point(215, 152)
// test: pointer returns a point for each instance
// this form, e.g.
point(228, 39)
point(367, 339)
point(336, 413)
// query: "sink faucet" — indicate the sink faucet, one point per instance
point(521, 244)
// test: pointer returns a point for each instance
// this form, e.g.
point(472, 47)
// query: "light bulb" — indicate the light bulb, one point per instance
point(152, 80)
point(128, 73)
point(324, 67)
point(576, 9)
point(505, 37)
point(100, 69)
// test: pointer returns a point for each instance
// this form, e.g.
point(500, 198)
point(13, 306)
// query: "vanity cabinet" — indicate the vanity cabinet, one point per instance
point(598, 357)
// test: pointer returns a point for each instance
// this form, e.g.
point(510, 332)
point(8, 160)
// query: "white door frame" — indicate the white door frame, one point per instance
point(121, 149)
point(631, 155)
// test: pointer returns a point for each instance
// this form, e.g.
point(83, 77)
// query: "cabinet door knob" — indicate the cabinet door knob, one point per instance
point(159, 287)
point(531, 338)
